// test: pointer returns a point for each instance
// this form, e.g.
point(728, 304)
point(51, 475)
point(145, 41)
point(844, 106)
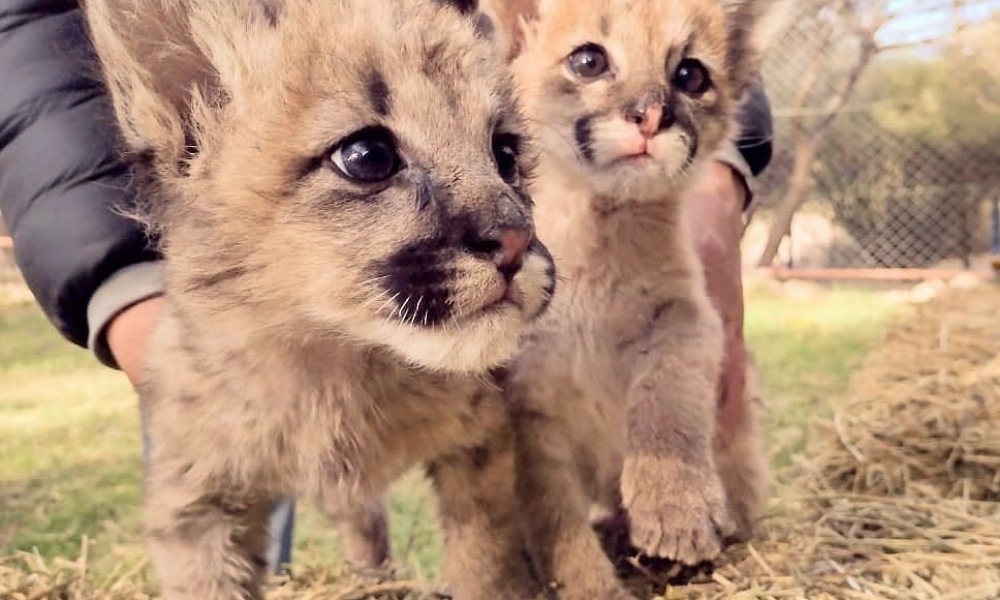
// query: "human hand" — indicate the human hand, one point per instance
point(129, 333)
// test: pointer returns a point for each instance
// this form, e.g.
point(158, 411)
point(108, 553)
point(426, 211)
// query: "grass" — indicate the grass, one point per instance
point(69, 431)
point(806, 351)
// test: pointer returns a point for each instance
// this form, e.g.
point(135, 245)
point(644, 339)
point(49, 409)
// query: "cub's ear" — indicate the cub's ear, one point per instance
point(241, 39)
point(754, 26)
point(149, 63)
point(514, 21)
point(161, 60)
point(170, 68)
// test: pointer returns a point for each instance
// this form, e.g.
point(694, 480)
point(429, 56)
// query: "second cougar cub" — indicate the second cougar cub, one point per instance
point(338, 191)
point(615, 387)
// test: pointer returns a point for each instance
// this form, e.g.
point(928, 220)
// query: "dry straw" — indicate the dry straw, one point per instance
point(895, 498)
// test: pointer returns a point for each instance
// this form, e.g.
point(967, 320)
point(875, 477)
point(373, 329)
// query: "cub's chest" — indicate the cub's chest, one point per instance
point(613, 320)
point(419, 417)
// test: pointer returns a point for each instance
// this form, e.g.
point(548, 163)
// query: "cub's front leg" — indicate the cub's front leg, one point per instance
point(363, 525)
point(670, 485)
point(204, 543)
point(484, 556)
point(565, 548)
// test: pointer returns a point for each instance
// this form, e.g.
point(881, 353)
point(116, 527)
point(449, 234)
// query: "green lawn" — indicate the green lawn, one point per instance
point(70, 446)
point(806, 351)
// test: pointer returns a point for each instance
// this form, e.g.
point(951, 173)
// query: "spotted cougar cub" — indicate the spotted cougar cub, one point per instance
point(337, 189)
point(615, 386)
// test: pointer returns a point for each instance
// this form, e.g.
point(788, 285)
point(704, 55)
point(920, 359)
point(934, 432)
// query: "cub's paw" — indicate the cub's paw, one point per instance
point(577, 592)
point(517, 590)
point(676, 511)
point(486, 582)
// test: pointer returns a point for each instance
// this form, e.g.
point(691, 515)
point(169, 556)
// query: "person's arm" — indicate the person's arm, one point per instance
point(61, 179)
point(749, 154)
point(715, 207)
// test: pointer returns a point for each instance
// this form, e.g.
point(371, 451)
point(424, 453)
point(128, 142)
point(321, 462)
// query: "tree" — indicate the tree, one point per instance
point(826, 51)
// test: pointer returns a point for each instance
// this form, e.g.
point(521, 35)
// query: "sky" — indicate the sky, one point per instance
point(931, 18)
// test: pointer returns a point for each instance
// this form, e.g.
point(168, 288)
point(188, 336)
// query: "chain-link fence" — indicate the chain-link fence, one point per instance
point(887, 136)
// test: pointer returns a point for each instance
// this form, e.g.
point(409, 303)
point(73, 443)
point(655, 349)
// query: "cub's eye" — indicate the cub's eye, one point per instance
point(367, 156)
point(506, 147)
point(589, 61)
point(692, 77)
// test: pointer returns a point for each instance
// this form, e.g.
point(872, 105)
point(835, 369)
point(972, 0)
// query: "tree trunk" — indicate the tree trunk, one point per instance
point(798, 184)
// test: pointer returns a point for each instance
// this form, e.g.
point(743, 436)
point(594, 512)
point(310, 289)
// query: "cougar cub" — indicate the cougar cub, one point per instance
point(338, 192)
point(615, 385)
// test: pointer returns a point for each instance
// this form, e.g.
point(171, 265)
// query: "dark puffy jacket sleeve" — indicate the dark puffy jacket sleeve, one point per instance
point(755, 141)
point(60, 174)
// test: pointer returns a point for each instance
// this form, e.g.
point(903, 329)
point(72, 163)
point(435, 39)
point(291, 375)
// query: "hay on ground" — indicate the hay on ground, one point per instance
point(896, 498)
point(925, 418)
point(897, 495)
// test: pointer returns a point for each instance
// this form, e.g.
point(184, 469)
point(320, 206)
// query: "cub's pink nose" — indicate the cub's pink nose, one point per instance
point(647, 120)
point(650, 117)
point(510, 256)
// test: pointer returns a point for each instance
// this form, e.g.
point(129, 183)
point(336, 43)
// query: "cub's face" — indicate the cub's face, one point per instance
point(628, 95)
point(368, 178)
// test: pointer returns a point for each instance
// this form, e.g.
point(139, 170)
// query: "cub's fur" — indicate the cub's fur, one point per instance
point(337, 190)
point(615, 386)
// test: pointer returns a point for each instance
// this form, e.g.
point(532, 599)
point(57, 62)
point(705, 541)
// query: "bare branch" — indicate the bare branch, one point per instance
point(838, 100)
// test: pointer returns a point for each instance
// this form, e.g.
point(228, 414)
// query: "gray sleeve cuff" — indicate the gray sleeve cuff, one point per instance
point(729, 154)
point(126, 287)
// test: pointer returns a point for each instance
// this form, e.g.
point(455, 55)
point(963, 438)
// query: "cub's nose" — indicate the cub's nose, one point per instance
point(504, 246)
point(501, 236)
point(510, 256)
point(650, 115)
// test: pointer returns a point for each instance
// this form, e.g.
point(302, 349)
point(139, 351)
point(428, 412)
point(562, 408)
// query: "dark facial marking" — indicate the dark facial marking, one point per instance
point(190, 152)
point(425, 192)
point(217, 278)
point(466, 7)
point(584, 137)
point(668, 117)
point(269, 9)
point(605, 25)
point(551, 276)
point(434, 59)
point(484, 26)
point(683, 120)
point(561, 87)
point(378, 93)
point(440, 67)
point(414, 275)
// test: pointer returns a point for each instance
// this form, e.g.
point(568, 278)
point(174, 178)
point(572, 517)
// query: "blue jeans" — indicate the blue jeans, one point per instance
point(280, 530)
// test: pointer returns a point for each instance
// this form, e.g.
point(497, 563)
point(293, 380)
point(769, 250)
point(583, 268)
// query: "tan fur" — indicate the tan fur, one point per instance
point(300, 354)
point(742, 462)
point(615, 387)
